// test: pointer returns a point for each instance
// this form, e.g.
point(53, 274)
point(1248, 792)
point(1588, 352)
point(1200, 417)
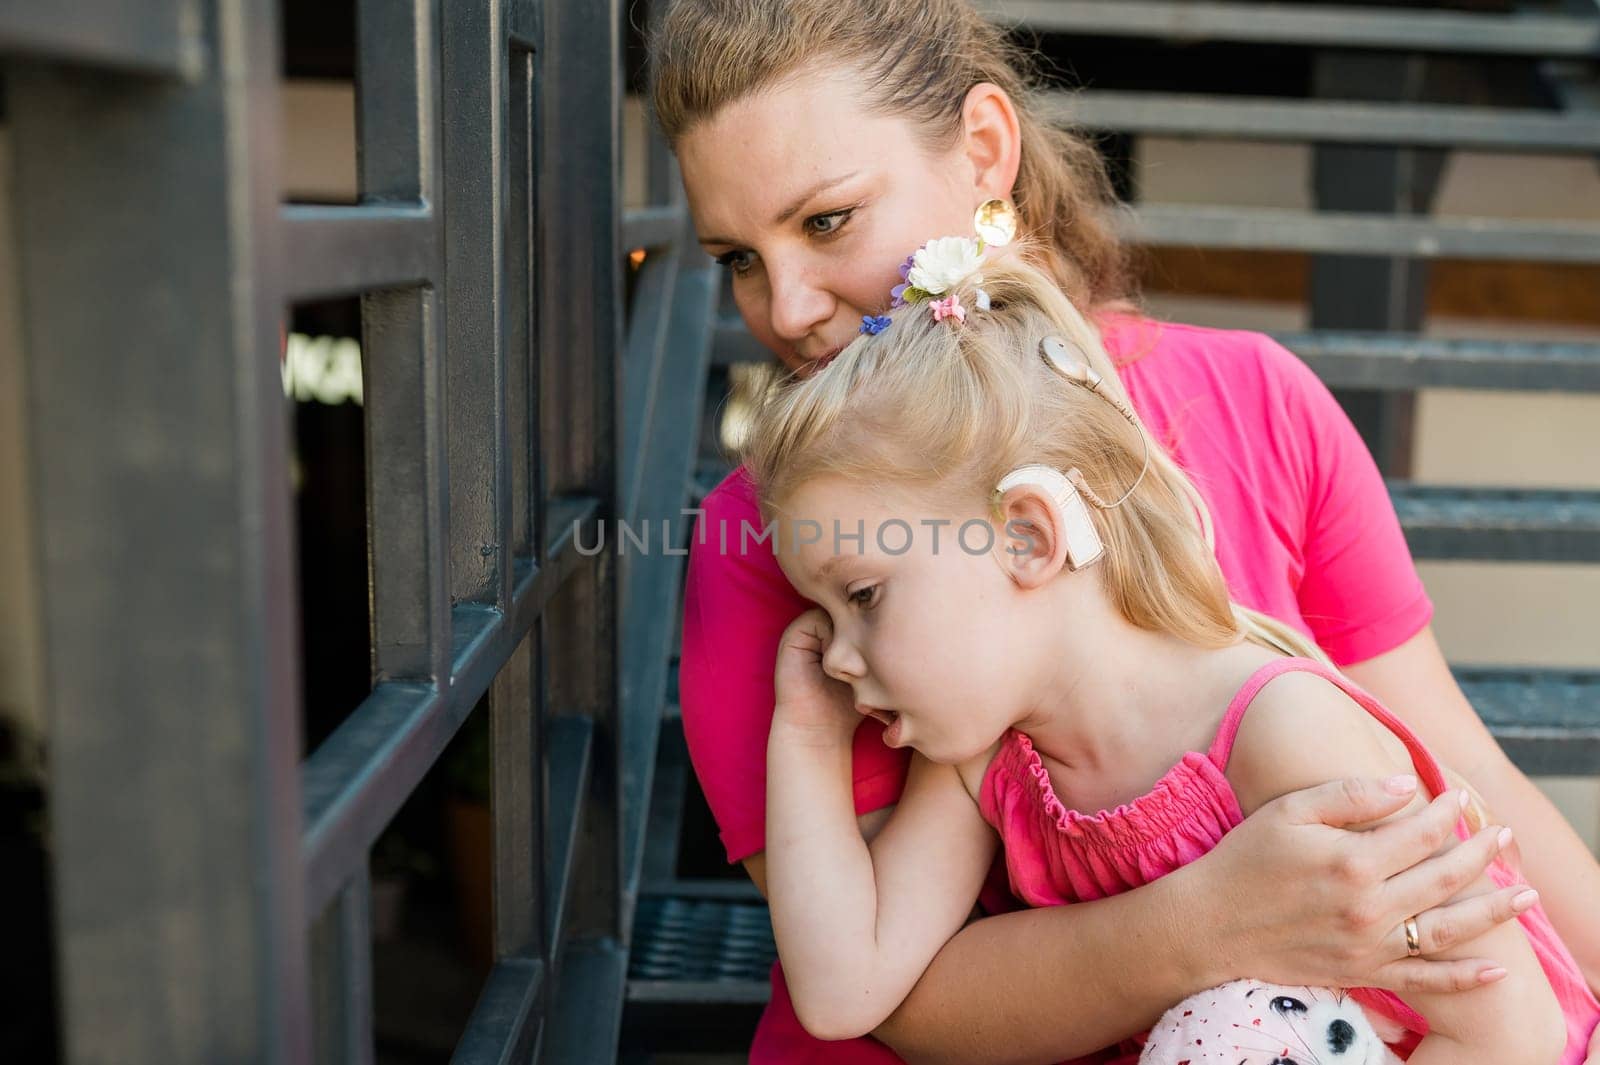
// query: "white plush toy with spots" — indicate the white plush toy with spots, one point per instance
point(1247, 1022)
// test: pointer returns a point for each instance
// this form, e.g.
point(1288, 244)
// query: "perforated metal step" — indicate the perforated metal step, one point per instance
point(700, 950)
point(1325, 121)
point(1521, 525)
point(1307, 25)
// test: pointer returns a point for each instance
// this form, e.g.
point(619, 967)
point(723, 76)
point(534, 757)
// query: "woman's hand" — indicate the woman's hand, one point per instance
point(807, 699)
point(1342, 923)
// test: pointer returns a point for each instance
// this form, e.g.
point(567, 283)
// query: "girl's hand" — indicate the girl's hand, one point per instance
point(1342, 922)
point(807, 698)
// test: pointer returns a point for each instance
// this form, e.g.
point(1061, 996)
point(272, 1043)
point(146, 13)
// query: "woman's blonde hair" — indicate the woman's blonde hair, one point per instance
point(916, 59)
point(946, 411)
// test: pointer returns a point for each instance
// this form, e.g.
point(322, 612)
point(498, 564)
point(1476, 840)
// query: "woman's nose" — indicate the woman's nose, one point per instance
point(797, 305)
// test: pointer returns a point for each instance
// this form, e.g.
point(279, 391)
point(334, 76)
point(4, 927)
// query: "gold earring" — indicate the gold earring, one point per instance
point(995, 222)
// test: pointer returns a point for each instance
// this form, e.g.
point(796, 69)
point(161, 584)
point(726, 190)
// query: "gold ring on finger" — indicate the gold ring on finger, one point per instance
point(1413, 939)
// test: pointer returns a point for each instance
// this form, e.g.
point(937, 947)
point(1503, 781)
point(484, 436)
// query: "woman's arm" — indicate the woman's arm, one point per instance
point(856, 925)
point(1513, 1021)
point(1051, 984)
point(1416, 683)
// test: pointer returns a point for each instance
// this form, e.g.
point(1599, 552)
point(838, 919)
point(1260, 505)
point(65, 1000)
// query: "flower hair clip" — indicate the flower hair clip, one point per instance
point(941, 265)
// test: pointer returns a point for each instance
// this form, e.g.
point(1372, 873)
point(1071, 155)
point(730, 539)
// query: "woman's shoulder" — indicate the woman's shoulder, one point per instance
point(1148, 346)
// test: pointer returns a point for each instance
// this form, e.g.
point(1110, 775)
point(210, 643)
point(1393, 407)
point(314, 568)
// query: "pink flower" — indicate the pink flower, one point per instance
point(949, 307)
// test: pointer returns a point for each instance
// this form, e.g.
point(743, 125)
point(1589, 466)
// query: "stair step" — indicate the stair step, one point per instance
point(1547, 720)
point(1264, 228)
point(1325, 121)
point(1503, 524)
point(1394, 361)
point(1307, 25)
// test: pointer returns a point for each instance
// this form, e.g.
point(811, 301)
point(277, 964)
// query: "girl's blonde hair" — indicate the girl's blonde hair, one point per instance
point(916, 59)
point(946, 411)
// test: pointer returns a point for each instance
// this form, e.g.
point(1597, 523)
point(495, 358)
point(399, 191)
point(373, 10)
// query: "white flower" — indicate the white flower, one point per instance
point(941, 264)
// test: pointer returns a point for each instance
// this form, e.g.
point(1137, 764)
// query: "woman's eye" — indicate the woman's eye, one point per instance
point(865, 597)
point(1285, 1005)
point(737, 261)
point(826, 225)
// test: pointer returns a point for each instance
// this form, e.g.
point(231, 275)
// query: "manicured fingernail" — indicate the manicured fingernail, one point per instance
point(1489, 976)
point(1524, 900)
point(1404, 784)
point(1463, 798)
point(1504, 838)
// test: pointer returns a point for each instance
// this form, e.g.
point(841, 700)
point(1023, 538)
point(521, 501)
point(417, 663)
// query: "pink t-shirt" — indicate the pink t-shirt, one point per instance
point(1305, 533)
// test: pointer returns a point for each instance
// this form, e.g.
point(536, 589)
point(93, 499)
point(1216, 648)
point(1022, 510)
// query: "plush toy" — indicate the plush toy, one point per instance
point(1248, 1022)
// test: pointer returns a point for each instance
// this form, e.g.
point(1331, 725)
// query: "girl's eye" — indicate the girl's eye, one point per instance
point(737, 261)
point(826, 225)
point(865, 597)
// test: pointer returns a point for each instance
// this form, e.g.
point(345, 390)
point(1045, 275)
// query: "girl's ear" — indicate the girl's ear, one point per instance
point(1032, 546)
point(992, 141)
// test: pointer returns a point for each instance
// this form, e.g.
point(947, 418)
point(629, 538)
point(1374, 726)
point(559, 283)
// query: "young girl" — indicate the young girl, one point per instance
point(1016, 581)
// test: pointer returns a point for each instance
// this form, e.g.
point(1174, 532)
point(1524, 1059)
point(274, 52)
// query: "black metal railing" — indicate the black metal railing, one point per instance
point(212, 889)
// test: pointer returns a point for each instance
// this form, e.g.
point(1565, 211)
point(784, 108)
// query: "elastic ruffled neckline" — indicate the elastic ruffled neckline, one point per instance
point(1193, 783)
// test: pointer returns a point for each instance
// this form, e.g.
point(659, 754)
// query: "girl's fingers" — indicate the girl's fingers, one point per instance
point(1436, 880)
point(1461, 922)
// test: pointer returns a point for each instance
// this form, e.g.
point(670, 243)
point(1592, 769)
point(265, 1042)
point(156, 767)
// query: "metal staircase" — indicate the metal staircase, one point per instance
point(700, 954)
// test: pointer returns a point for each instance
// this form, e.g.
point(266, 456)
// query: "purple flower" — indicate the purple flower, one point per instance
point(905, 267)
point(872, 324)
point(897, 296)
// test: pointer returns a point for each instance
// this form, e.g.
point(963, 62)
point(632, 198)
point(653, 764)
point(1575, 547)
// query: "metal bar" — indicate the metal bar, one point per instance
point(581, 327)
point(659, 863)
point(521, 357)
point(1251, 118)
point(568, 765)
point(518, 837)
point(653, 227)
point(1386, 360)
point(161, 517)
point(155, 37)
point(694, 992)
point(476, 57)
point(344, 251)
point(653, 307)
point(396, 123)
point(341, 946)
point(353, 783)
point(732, 344)
point(1364, 234)
point(1321, 25)
point(402, 364)
point(650, 603)
point(1523, 525)
point(586, 1014)
point(404, 396)
point(504, 1028)
point(359, 777)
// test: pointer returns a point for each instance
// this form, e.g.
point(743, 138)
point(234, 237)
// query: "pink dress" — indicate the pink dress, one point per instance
point(1305, 533)
point(1055, 856)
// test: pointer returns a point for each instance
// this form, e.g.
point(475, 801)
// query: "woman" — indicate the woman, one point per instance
point(818, 141)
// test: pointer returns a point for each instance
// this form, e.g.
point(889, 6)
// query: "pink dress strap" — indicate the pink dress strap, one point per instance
point(1428, 770)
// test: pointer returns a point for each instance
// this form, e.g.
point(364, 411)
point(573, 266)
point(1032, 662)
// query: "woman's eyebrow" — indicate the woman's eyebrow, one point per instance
point(812, 193)
point(794, 207)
